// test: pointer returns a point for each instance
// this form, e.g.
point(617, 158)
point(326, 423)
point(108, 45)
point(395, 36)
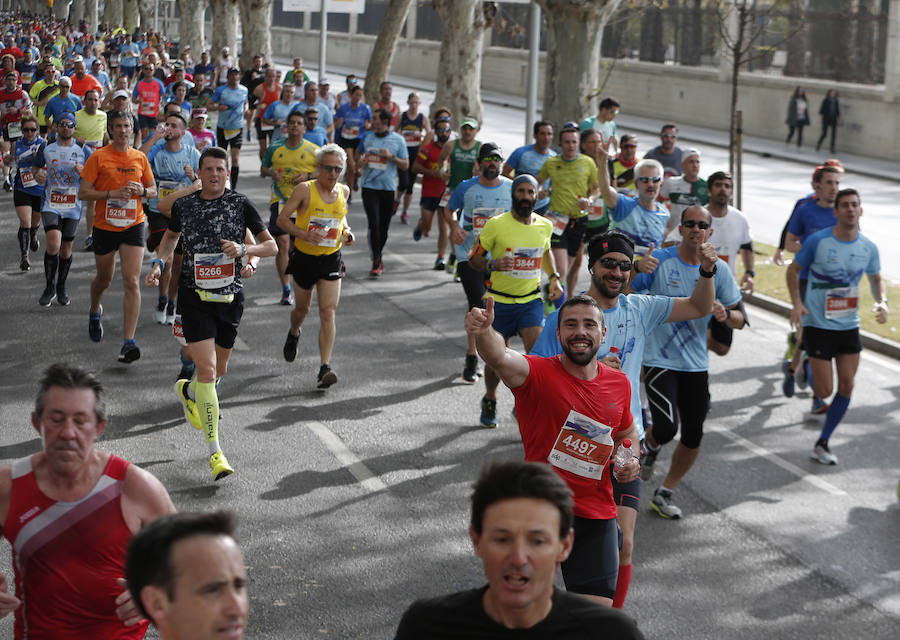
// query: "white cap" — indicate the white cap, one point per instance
point(690, 153)
point(121, 93)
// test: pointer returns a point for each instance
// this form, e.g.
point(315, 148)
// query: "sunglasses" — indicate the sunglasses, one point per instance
point(443, 129)
point(668, 135)
point(612, 263)
point(700, 224)
point(629, 146)
point(492, 159)
point(32, 129)
point(646, 179)
point(331, 168)
point(65, 125)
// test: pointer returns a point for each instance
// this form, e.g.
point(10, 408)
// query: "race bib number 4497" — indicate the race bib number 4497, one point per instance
point(582, 447)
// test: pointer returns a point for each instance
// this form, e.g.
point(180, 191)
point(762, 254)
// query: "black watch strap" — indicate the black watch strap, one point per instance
point(708, 274)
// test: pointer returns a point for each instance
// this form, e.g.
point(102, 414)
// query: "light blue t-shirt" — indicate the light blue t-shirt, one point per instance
point(63, 179)
point(278, 111)
point(57, 105)
point(681, 346)
point(642, 225)
point(835, 270)
point(628, 324)
point(127, 60)
point(326, 117)
point(354, 120)
point(376, 176)
point(317, 136)
point(168, 167)
point(234, 99)
point(527, 160)
point(470, 195)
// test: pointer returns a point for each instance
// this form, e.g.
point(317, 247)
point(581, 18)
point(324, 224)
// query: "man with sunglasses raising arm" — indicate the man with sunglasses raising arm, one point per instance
point(676, 361)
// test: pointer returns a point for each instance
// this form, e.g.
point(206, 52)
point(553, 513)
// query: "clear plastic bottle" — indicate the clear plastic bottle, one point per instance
point(623, 456)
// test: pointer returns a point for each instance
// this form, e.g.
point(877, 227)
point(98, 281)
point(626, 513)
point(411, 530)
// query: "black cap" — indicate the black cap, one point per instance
point(489, 149)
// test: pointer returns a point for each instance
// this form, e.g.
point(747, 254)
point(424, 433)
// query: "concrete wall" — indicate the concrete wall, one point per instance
point(697, 96)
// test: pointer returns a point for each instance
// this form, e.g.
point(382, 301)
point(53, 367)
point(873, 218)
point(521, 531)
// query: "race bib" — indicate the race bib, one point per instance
point(114, 60)
point(350, 132)
point(376, 160)
point(178, 330)
point(213, 270)
point(27, 178)
point(480, 216)
point(842, 302)
point(14, 129)
point(63, 197)
point(582, 447)
point(527, 263)
point(329, 226)
point(640, 249)
point(167, 187)
point(266, 127)
point(560, 221)
point(411, 137)
point(595, 213)
point(445, 198)
point(93, 144)
point(231, 133)
point(121, 212)
point(148, 108)
point(26, 77)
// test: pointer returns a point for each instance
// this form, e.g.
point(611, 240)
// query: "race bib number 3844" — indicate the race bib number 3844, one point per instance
point(582, 447)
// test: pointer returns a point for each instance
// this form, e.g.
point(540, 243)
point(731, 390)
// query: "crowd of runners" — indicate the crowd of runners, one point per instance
point(142, 144)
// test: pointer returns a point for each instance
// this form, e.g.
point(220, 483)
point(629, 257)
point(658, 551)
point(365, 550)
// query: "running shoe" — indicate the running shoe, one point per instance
point(451, 262)
point(130, 352)
point(819, 406)
point(822, 454)
point(95, 327)
point(648, 459)
point(792, 344)
point(219, 465)
point(170, 313)
point(404, 218)
point(35, 244)
point(802, 374)
point(186, 372)
point(287, 296)
point(160, 313)
point(326, 378)
point(290, 346)
point(440, 265)
point(25, 264)
point(89, 243)
point(417, 233)
point(377, 269)
point(48, 296)
point(62, 296)
point(470, 371)
point(488, 417)
point(7, 186)
point(787, 385)
point(188, 405)
point(662, 504)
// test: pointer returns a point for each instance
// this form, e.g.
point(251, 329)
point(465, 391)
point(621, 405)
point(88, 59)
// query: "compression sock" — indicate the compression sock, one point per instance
point(63, 273)
point(187, 366)
point(835, 414)
point(234, 177)
point(208, 410)
point(24, 235)
point(51, 264)
point(623, 581)
point(33, 232)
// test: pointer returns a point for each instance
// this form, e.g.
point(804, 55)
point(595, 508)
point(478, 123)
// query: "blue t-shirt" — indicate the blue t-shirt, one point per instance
point(58, 105)
point(168, 168)
point(628, 324)
point(129, 60)
point(527, 160)
point(354, 120)
point(26, 153)
point(835, 270)
point(681, 346)
point(317, 136)
point(326, 117)
point(642, 225)
point(374, 176)
point(234, 99)
point(470, 195)
point(102, 78)
point(278, 110)
point(807, 218)
point(63, 178)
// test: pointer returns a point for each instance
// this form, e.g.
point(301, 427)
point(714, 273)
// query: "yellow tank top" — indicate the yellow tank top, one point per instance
point(322, 214)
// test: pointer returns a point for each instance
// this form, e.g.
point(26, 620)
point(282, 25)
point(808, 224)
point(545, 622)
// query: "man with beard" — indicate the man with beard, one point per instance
point(676, 361)
point(573, 413)
point(476, 200)
point(433, 185)
point(518, 242)
point(630, 319)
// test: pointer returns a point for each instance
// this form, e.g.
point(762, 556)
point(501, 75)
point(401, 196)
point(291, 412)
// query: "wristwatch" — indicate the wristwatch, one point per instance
point(554, 275)
point(708, 274)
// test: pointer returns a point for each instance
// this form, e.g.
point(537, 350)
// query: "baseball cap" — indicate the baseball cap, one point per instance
point(77, 58)
point(690, 153)
point(199, 112)
point(488, 149)
point(178, 65)
point(469, 122)
point(234, 70)
point(324, 80)
point(121, 93)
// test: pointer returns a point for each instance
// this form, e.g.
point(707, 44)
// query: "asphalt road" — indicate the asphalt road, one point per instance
point(353, 502)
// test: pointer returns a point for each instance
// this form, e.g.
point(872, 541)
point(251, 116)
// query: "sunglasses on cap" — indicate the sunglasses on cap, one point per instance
point(700, 224)
point(646, 179)
point(612, 263)
point(494, 158)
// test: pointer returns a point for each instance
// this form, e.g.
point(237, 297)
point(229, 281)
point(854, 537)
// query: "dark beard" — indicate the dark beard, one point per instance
point(490, 173)
point(582, 359)
point(522, 207)
point(600, 285)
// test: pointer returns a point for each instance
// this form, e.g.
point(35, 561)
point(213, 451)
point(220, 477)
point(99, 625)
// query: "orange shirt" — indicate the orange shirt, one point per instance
point(80, 87)
point(108, 169)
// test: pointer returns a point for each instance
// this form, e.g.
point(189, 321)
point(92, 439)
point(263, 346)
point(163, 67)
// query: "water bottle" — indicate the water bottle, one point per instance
point(623, 456)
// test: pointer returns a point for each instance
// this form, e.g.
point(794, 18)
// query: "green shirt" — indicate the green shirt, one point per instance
point(461, 163)
point(569, 180)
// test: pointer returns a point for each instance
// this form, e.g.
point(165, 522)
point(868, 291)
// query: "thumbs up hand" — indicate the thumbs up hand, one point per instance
point(648, 263)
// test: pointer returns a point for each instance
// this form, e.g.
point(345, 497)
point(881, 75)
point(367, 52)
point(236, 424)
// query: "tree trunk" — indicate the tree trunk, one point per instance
point(847, 52)
point(459, 81)
point(573, 26)
point(147, 12)
point(795, 64)
point(737, 54)
point(129, 15)
point(225, 21)
point(76, 12)
point(383, 53)
point(256, 22)
point(61, 9)
point(190, 30)
point(867, 40)
point(113, 13)
point(91, 14)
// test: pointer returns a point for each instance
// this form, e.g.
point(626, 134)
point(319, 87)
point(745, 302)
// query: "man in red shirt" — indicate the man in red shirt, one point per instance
point(434, 182)
point(82, 81)
point(573, 413)
point(385, 102)
point(11, 48)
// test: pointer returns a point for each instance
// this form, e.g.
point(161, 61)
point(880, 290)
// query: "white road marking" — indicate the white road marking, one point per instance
point(762, 452)
point(369, 481)
point(240, 345)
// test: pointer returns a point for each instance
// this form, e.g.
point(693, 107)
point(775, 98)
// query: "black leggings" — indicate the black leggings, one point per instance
point(379, 206)
point(825, 128)
point(799, 128)
point(675, 395)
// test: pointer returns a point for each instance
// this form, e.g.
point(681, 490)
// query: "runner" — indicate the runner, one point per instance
point(267, 93)
point(314, 133)
point(214, 222)
point(13, 104)
point(604, 122)
point(117, 177)
point(147, 94)
point(835, 259)
point(433, 185)
point(531, 158)
point(27, 191)
point(202, 136)
point(230, 100)
point(320, 231)
point(667, 153)
point(385, 90)
point(276, 113)
point(681, 192)
point(414, 127)
point(462, 155)
point(352, 122)
point(90, 131)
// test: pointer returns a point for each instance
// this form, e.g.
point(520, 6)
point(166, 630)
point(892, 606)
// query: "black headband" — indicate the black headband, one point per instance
point(610, 243)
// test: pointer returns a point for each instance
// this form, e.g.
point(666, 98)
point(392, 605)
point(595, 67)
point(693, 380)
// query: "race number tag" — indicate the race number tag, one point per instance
point(15, 130)
point(527, 263)
point(582, 447)
point(167, 187)
point(26, 77)
point(376, 160)
point(63, 197)
point(329, 226)
point(560, 221)
point(480, 216)
point(178, 330)
point(445, 198)
point(148, 108)
point(231, 133)
point(121, 212)
point(842, 302)
point(640, 249)
point(595, 212)
point(93, 144)
point(213, 270)
point(411, 137)
point(266, 127)
point(27, 178)
point(350, 132)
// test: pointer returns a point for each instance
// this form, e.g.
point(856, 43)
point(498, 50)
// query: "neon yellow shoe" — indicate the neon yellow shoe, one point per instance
point(220, 467)
point(189, 406)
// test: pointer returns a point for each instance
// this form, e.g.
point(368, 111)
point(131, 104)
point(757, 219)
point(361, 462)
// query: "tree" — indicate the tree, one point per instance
point(571, 80)
point(91, 14)
point(383, 53)
point(191, 26)
point(147, 12)
point(113, 13)
point(795, 63)
point(76, 12)
point(463, 23)
point(61, 9)
point(130, 14)
point(225, 20)
point(256, 22)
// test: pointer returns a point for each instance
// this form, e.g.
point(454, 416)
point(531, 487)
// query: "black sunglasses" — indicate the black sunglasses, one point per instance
point(612, 263)
point(700, 224)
